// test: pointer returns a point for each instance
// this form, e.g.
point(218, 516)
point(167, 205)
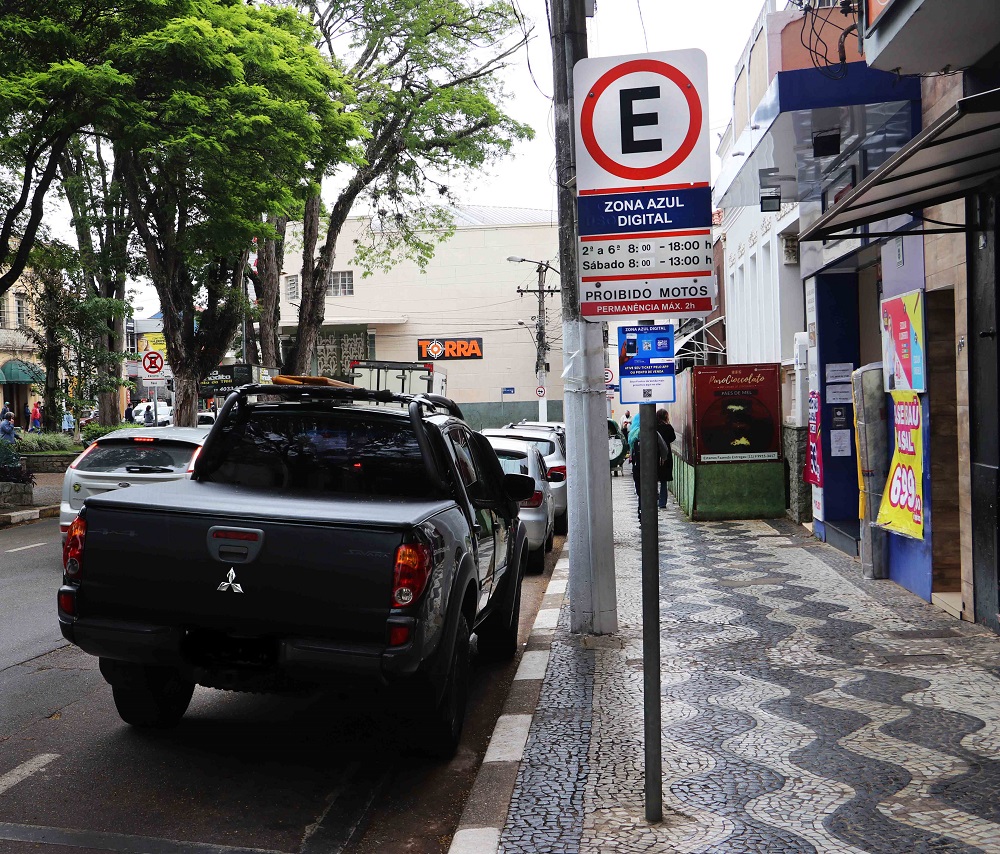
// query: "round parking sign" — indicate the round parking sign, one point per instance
point(540, 391)
point(609, 376)
point(152, 362)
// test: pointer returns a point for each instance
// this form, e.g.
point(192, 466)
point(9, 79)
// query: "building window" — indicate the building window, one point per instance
point(341, 283)
point(4, 314)
point(291, 287)
point(21, 307)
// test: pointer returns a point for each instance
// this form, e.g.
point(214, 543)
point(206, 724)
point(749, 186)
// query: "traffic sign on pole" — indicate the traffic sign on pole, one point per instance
point(153, 366)
point(644, 198)
point(540, 391)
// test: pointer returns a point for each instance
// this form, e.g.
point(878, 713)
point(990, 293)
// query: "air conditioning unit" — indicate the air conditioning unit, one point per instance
point(789, 249)
point(799, 415)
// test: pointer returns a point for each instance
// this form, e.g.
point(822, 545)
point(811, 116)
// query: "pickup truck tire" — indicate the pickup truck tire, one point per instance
point(443, 724)
point(550, 540)
point(154, 697)
point(562, 523)
point(536, 560)
point(498, 633)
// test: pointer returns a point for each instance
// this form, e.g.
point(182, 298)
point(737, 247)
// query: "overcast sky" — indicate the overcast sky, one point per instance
point(721, 28)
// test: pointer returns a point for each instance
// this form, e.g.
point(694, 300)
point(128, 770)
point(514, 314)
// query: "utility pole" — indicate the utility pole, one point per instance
point(592, 595)
point(541, 345)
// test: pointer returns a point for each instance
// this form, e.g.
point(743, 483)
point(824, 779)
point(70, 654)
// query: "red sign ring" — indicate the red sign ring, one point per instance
point(686, 147)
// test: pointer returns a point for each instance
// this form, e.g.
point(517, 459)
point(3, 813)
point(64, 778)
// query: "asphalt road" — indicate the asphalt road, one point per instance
point(313, 774)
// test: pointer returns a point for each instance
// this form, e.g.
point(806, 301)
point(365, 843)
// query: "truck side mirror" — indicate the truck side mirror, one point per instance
point(518, 486)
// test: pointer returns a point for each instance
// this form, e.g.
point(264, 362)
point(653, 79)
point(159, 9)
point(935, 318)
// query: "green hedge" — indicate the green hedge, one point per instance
point(93, 430)
point(32, 443)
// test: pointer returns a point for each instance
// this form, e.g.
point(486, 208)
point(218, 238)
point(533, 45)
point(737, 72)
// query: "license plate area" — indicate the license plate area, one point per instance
point(210, 649)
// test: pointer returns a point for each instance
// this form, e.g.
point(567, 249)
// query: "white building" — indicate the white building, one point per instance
point(468, 293)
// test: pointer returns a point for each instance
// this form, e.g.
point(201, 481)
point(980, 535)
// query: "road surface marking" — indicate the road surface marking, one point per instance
point(94, 840)
point(509, 738)
point(23, 548)
point(25, 770)
point(533, 664)
point(475, 840)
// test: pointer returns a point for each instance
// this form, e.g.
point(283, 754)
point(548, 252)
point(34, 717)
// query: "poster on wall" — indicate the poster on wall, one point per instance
point(902, 507)
point(813, 470)
point(903, 342)
point(737, 413)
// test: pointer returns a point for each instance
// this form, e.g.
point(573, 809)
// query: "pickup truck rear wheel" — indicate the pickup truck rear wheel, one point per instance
point(155, 697)
point(498, 633)
point(536, 560)
point(444, 723)
point(562, 523)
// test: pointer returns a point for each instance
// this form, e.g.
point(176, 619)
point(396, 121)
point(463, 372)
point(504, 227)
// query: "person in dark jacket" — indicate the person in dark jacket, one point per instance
point(7, 433)
point(664, 454)
point(128, 414)
point(665, 473)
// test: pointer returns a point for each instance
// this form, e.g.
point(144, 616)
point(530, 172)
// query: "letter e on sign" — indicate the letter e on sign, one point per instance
point(642, 121)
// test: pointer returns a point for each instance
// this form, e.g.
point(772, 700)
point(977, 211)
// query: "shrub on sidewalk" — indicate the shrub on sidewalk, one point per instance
point(93, 431)
point(33, 443)
point(10, 466)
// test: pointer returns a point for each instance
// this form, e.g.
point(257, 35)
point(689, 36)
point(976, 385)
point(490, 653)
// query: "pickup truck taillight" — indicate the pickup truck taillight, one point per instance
point(534, 501)
point(73, 548)
point(558, 470)
point(414, 562)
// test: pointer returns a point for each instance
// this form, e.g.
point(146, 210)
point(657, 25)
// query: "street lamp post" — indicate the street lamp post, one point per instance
point(541, 346)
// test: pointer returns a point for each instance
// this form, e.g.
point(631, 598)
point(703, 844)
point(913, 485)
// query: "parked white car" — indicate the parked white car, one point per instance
point(125, 458)
point(551, 442)
point(520, 456)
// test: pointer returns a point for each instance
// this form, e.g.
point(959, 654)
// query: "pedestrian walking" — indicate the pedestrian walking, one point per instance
point(68, 422)
point(147, 416)
point(665, 474)
point(129, 414)
point(626, 422)
point(36, 419)
point(27, 416)
point(7, 432)
point(5, 411)
point(664, 454)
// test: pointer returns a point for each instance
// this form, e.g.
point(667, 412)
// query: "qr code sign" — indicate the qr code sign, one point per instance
point(647, 392)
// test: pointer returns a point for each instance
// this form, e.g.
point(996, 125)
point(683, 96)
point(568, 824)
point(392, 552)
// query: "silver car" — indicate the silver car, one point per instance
point(551, 441)
point(520, 456)
point(128, 457)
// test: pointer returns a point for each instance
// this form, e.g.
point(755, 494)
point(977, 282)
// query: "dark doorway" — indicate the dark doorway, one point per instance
point(984, 397)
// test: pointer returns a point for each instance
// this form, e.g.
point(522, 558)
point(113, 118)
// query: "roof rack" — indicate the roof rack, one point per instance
point(354, 393)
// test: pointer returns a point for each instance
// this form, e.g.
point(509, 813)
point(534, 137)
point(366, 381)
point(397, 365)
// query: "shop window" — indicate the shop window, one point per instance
point(341, 283)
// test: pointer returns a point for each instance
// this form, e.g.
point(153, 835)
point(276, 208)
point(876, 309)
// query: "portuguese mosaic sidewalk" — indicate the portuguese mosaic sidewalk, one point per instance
point(804, 709)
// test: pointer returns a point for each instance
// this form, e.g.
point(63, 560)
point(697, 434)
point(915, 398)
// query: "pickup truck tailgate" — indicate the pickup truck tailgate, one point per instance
point(225, 558)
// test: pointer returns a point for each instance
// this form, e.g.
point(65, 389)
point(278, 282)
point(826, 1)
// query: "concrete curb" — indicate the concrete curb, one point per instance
point(485, 812)
point(28, 514)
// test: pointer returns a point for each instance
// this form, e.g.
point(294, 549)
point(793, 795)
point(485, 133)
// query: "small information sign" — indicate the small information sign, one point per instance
point(646, 364)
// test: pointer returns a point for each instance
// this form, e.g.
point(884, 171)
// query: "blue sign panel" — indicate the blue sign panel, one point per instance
point(646, 364)
point(638, 213)
point(507, 390)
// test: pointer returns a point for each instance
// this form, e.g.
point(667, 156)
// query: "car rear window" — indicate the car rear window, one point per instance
point(545, 447)
point(133, 457)
point(512, 462)
point(326, 452)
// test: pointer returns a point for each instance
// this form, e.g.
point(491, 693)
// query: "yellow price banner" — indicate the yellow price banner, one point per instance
point(902, 507)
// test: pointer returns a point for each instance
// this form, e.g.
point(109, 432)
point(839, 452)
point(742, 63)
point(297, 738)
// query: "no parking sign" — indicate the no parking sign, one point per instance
point(644, 197)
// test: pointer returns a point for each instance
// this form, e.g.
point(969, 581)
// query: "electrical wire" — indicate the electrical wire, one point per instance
point(642, 22)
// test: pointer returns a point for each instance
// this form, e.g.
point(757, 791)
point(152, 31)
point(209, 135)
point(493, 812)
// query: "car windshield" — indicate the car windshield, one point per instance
point(126, 455)
point(325, 452)
point(512, 462)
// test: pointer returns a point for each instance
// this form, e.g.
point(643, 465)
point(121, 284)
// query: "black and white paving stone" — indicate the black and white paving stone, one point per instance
point(804, 709)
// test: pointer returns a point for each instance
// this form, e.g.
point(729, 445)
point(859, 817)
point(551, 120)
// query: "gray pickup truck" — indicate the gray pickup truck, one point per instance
point(321, 539)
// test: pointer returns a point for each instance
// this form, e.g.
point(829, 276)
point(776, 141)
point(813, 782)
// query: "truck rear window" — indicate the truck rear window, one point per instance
point(513, 463)
point(337, 452)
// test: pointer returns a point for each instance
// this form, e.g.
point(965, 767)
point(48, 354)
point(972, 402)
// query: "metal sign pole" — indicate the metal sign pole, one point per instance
point(649, 463)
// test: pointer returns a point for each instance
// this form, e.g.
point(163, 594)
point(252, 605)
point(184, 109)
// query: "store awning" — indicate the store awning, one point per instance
point(17, 371)
point(950, 159)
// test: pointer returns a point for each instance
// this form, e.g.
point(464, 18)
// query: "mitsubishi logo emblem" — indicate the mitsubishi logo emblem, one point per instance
point(230, 583)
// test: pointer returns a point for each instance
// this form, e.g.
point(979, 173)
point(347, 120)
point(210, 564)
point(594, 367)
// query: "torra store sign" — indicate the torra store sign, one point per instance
point(440, 349)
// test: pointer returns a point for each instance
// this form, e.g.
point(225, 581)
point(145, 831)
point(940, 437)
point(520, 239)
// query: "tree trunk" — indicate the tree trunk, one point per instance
point(267, 286)
point(312, 306)
point(52, 412)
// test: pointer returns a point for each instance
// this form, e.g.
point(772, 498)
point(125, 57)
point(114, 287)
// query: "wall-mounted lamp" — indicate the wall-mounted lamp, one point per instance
point(770, 199)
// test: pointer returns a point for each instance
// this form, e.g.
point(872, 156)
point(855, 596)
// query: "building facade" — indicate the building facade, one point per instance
point(463, 313)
